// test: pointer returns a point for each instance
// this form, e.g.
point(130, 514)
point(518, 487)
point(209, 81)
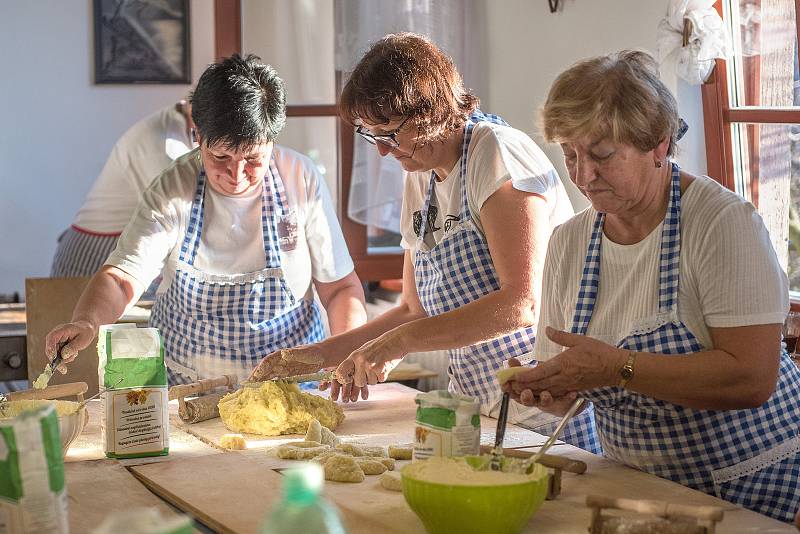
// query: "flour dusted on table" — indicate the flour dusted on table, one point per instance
point(135, 412)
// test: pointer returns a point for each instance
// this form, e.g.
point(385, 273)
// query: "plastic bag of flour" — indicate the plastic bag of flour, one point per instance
point(33, 497)
point(136, 417)
point(447, 425)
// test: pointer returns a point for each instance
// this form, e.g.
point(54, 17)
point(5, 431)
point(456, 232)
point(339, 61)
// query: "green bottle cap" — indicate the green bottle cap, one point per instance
point(302, 485)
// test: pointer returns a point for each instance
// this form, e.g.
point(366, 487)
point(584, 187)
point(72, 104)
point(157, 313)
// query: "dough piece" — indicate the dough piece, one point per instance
point(391, 481)
point(351, 449)
point(388, 462)
point(340, 468)
point(290, 452)
point(375, 452)
point(305, 444)
point(274, 408)
point(322, 458)
point(234, 442)
point(504, 375)
point(371, 466)
point(401, 452)
point(317, 432)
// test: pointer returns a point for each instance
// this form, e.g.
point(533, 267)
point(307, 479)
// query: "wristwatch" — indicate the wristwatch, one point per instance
point(626, 371)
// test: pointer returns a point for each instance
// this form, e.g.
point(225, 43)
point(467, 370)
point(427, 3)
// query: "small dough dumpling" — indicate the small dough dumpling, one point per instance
point(317, 432)
point(291, 452)
point(391, 481)
point(234, 442)
point(341, 468)
point(371, 466)
point(351, 448)
point(307, 444)
point(504, 375)
point(388, 462)
point(375, 452)
point(401, 452)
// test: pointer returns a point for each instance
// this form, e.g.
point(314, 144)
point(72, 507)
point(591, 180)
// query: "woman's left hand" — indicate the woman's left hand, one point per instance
point(586, 363)
point(372, 362)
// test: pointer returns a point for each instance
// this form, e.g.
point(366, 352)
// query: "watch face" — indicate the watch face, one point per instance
point(626, 373)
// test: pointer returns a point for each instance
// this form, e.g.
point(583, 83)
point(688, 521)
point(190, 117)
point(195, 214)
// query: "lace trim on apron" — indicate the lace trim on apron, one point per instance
point(232, 279)
point(652, 323)
point(785, 450)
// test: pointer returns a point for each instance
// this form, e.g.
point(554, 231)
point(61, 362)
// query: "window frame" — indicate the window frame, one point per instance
point(368, 267)
point(719, 117)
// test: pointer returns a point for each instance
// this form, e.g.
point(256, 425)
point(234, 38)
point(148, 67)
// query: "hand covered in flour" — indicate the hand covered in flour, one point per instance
point(349, 392)
point(586, 363)
point(289, 362)
point(74, 337)
point(372, 362)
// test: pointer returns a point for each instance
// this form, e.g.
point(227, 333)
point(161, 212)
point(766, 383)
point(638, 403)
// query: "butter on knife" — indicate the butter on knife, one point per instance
point(44, 378)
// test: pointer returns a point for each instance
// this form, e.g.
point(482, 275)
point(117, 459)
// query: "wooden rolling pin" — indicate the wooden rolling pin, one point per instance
point(705, 517)
point(548, 460)
point(203, 407)
point(55, 391)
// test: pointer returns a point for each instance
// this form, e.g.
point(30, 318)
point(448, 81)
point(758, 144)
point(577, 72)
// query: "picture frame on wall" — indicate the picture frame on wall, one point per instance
point(142, 41)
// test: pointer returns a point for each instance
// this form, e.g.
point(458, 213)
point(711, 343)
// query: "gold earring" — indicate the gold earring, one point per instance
point(658, 164)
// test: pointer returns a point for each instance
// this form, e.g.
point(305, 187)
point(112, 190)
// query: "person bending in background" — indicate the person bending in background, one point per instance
point(480, 202)
point(242, 229)
point(138, 157)
point(663, 302)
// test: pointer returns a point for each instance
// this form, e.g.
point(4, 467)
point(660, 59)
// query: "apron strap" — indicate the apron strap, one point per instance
point(273, 207)
point(476, 117)
point(669, 264)
point(191, 239)
point(590, 282)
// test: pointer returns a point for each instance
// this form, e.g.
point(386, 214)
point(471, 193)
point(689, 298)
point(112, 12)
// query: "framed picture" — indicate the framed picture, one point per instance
point(141, 41)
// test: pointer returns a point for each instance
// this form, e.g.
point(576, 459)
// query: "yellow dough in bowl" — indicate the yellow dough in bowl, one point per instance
point(274, 408)
point(15, 408)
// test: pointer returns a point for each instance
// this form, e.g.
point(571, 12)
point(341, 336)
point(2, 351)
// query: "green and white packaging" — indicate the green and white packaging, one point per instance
point(135, 407)
point(447, 425)
point(33, 497)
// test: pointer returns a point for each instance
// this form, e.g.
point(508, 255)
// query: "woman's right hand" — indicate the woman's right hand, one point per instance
point(301, 360)
point(74, 337)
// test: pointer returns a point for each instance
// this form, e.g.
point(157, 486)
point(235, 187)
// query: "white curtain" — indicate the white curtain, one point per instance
point(377, 183)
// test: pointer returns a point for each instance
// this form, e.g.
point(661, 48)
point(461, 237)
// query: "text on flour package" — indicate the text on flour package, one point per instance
point(447, 425)
point(135, 406)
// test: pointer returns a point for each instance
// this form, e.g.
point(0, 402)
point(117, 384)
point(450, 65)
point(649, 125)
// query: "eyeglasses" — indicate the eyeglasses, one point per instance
point(388, 139)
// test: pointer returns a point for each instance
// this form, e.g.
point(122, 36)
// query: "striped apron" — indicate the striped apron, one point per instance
point(749, 457)
point(459, 270)
point(81, 253)
point(215, 324)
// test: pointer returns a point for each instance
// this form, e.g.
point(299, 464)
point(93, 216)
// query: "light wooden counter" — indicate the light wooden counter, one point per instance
point(232, 491)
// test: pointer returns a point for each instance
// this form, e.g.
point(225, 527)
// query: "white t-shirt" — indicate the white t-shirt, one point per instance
point(231, 242)
point(146, 149)
point(729, 273)
point(496, 155)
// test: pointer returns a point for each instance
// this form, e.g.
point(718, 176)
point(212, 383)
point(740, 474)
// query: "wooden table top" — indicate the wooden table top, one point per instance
point(231, 491)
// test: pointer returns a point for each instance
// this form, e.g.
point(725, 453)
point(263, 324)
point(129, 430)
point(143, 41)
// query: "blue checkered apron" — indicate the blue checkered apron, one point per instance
point(459, 270)
point(219, 324)
point(749, 457)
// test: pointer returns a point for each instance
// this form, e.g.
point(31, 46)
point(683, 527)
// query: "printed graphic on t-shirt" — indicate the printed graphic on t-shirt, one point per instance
point(287, 231)
point(449, 221)
point(433, 211)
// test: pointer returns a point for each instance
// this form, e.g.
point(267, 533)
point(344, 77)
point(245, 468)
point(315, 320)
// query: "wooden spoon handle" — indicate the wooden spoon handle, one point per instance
point(548, 460)
point(51, 392)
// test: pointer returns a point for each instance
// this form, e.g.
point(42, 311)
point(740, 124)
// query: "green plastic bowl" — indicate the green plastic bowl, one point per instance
point(447, 509)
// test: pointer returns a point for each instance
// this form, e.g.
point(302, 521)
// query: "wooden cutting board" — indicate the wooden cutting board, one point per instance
point(386, 418)
point(94, 488)
point(232, 493)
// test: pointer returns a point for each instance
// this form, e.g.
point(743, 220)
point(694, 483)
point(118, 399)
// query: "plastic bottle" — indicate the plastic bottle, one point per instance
point(302, 509)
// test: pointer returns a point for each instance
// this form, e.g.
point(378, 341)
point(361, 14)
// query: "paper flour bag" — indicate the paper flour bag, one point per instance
point(447, 425)
point(136, 416)
point(33, 498)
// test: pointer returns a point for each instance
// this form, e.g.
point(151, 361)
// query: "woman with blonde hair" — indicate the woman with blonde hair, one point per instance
point(663, 302)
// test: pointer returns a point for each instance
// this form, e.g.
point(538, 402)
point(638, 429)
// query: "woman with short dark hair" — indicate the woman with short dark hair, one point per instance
point(241, 229)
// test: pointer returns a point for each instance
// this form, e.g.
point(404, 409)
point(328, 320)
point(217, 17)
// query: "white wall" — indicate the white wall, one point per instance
point(57, 127)
point(528, 47)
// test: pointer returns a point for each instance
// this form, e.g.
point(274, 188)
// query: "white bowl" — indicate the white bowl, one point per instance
point(70, 422)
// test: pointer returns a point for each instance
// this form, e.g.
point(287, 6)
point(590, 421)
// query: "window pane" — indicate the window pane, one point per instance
point(763, 70)
point(316, 137)
point(767, 172)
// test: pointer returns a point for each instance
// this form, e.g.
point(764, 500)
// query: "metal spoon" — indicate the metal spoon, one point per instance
point(573, 409)
point(502, 420)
